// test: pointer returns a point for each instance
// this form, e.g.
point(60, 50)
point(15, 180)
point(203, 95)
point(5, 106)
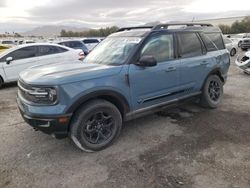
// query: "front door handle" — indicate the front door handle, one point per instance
point(170, 69)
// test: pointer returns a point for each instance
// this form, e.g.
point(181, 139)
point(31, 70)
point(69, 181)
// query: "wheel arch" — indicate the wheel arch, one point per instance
point(217, 72)
point(112, 96)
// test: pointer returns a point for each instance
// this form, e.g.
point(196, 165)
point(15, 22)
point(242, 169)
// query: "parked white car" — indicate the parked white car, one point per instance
point(17, 59)
point(231, 46)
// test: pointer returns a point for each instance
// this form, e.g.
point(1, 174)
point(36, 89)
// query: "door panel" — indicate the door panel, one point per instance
point(195, 62)
point(153, 85)
point(13, 69)
point(22, 59)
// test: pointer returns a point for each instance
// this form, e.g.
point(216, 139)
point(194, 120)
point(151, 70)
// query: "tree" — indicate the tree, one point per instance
point(103, 32)
point(225, 29)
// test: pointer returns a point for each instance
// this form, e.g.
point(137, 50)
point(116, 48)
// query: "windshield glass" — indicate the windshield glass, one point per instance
point(112, 50)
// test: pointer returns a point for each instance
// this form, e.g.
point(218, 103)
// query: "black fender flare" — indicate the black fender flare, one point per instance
point(112, 96)
point(216, 71)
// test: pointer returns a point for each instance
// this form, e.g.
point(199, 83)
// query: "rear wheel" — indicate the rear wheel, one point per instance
point(233, 52)
point(212, 92)
point(96, 125)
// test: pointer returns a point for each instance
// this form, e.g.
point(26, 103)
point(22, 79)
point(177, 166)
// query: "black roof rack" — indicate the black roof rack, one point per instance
point(139, 27)
point(165, 26)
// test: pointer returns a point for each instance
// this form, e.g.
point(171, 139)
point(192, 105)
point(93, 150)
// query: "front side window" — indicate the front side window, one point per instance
point(189, 45)
point(113, 50)
point(23, 53)
point(161, 47)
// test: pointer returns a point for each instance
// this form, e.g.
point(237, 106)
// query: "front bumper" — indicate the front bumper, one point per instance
point(57, 126)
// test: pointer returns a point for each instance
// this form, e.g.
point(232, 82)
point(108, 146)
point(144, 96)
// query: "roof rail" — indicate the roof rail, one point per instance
point(139, 27)
point(165, 26)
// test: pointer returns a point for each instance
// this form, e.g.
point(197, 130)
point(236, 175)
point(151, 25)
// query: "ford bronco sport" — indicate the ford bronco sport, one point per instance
point(133, 72)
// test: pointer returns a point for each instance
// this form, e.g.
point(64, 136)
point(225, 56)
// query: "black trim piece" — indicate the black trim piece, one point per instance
point(162, 96)
point(158, 107)
point(127, 79)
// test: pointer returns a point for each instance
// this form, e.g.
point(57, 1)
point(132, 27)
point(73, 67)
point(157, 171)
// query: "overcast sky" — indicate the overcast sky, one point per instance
point(21, 15)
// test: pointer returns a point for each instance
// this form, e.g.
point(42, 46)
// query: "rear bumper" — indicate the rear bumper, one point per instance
point(57, 126)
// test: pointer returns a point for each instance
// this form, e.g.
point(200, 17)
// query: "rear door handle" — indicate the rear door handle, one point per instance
point(170, 69)
point(204, 63)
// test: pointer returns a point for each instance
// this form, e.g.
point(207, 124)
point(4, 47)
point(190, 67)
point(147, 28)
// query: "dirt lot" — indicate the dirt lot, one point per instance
point(185, 147)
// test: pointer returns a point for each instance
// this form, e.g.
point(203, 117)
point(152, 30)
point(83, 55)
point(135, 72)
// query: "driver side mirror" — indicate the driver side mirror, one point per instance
point(147, 61)
point(9, 59)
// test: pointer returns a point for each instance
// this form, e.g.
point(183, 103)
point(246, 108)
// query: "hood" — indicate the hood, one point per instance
point(62, 73)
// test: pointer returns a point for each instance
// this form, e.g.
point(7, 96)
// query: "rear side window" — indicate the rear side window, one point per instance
point(75, 44)
point(189, 45)
point(49, 50)
point(23, 53)
point(161, 47)
point(90, 41)
point(216, 38)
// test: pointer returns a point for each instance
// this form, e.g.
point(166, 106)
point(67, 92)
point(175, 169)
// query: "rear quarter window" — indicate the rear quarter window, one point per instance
point(217, 39)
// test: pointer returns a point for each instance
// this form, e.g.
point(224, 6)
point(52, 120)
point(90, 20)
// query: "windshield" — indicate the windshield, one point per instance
point(112, 50)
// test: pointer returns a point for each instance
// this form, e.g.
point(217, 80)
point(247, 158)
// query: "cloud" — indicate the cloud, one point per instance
point(108, 10)
point(2, 3)
point(102, 13)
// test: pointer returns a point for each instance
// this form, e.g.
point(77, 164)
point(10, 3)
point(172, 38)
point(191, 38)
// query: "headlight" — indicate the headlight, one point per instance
point(43, 95)
point(38, 95)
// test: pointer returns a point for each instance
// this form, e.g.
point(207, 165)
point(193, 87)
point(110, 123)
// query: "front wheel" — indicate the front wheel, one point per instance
point(1, 82)
point(95, 125)
point(212, 92)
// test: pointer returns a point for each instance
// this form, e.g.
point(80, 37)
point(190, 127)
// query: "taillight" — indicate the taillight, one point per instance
point(81, 55)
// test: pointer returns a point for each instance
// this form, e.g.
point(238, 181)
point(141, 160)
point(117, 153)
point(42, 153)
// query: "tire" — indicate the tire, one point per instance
point(1, 82)
point(233, 52)
point(212, 92)
point(96, 125)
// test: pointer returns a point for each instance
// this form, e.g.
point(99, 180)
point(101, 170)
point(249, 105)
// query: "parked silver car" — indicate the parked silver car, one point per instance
point(231, 46)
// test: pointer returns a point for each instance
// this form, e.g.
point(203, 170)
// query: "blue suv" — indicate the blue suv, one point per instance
point(133, 72)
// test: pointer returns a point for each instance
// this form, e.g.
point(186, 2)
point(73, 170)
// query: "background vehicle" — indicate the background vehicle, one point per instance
point(91, 42)
point(231, 46)
point(243, 63)
point(239, 37)
point(16, 59)
point(75, 44)
point(131, 73)
point(8, 43)
point(245, 44)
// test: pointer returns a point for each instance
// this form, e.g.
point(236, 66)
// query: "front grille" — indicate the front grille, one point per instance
point(246, 41)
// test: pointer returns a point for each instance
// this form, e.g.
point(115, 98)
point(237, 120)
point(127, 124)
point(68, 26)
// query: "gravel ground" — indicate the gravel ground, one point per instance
point(184, 147)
